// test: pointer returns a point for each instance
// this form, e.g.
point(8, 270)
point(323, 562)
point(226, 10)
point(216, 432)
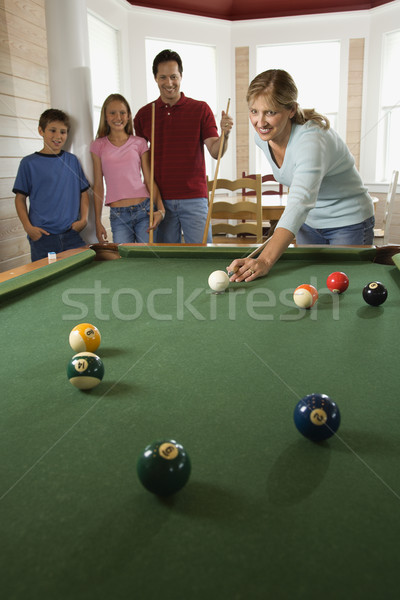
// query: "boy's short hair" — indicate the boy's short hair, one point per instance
point(166, 56)
point(53, 114)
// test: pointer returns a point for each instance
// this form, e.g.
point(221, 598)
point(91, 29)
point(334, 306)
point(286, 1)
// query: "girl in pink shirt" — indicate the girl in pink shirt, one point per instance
point(119, 158)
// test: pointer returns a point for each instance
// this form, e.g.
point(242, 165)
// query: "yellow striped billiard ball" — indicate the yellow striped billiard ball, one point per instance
point(84, 337)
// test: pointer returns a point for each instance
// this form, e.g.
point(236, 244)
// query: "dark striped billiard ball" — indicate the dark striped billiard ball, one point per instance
point(317, 417)
point(85, 370)
point(375, 293)
point(164, 467)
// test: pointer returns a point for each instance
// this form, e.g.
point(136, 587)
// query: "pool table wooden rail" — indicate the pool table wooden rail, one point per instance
point(109, 251)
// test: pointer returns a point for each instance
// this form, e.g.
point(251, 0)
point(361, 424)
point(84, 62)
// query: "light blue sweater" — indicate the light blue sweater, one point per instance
point(325, 187)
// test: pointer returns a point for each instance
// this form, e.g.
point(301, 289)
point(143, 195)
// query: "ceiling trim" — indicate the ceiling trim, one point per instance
point(237, 10)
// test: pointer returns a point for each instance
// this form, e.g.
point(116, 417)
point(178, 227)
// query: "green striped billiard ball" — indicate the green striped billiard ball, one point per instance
point(164, 467)
point(85, 370)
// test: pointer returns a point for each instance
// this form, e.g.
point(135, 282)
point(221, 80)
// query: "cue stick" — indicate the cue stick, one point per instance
point(153, 107)
point(210, 204)
point(259, 249)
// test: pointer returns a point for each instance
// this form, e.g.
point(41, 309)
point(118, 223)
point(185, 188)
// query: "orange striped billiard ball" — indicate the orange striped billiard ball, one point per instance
point(305, 295)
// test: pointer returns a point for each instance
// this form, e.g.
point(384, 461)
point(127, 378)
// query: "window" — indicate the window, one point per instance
point(388, 150)
point(315, 68)
point(104, 63)
point(199, 80)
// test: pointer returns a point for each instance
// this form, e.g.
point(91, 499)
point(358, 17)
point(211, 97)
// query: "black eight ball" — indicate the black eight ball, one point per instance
point(375, 293)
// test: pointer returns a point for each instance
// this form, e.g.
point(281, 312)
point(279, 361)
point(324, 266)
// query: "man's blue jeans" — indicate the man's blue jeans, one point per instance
point(188, 216)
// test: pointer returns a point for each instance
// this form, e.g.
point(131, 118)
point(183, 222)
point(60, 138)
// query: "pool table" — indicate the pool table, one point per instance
point(266, 513)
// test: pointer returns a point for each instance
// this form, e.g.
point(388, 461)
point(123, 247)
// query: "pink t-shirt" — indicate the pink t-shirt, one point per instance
point(121, 167)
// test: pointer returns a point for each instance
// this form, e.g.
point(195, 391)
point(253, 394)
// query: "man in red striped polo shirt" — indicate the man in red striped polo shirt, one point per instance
point(183, 127)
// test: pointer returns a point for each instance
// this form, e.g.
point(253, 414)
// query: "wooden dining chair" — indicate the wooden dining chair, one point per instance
point(236, 219)
point(388, 213)
point(272, 191)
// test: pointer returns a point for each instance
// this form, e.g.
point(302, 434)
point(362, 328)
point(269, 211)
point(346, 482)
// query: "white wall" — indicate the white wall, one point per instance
point(137, 23)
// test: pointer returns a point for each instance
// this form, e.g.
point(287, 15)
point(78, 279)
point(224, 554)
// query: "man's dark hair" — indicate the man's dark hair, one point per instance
point(165, 56)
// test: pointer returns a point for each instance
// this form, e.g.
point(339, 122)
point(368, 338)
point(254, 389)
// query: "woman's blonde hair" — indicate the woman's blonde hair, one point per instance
point(279, 90)
point(104, 128)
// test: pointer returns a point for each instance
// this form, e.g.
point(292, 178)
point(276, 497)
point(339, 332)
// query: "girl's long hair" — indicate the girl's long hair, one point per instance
point(104, 128)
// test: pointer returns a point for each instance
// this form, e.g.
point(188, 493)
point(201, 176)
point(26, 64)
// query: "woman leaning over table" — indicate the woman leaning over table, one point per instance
point(327, 201)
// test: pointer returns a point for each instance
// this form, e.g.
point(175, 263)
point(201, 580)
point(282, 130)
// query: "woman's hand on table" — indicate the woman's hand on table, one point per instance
point(247, 269)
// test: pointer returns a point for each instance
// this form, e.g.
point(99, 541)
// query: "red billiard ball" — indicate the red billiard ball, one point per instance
point(337, 282)
point(305, 295)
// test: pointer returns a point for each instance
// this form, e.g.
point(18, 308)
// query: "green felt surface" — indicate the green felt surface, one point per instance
point(266, 513)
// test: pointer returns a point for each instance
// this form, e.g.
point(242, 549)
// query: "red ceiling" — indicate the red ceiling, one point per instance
point(237, 10)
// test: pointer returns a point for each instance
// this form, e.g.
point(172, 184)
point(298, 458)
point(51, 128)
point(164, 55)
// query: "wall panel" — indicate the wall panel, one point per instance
point(24, 96)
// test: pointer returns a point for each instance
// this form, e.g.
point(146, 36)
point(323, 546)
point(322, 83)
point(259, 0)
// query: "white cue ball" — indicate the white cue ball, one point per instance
point(218, 281)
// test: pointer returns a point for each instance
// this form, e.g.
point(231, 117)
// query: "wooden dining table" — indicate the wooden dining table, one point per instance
point(273, 207)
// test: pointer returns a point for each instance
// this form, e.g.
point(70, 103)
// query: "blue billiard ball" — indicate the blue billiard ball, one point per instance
point(164, 467)
point(317, 417)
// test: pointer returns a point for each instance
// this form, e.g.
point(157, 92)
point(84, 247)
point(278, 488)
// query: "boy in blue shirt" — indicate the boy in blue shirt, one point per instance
point(57, 189)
